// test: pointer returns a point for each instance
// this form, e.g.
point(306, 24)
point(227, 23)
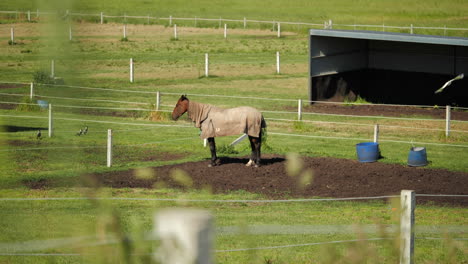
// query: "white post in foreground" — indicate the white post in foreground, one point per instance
point(50, 120)
point(277, 62)
point(408, 203)
point(225, 31)
point(175, 31)
point(12, 35)
point(376, 133)
point(31, 92)
point(158, 100)
point(447, 120)
point(109, 148)
point(102, 18)
point(279, 30)
point(52, 69)
point(131, 70)
point(411, 29)
point(206, 64)
point(299, 109)
point(186, 236)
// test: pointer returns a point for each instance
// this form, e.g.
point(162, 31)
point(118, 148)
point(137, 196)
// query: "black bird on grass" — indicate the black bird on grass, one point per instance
point(85, 131)
point(39, 134)
point(80, 132)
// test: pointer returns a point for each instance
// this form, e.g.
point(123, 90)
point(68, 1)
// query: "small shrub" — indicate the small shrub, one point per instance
point(28, 106)
point(227, 149)
point(159, 116)
point(41, 76)
point(124, 39)
point(11, 42)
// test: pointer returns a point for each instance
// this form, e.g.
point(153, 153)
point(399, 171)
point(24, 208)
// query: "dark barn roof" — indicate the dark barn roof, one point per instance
point(375, 65)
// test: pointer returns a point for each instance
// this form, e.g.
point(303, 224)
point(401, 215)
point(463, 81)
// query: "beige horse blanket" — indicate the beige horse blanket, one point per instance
point(216, 122)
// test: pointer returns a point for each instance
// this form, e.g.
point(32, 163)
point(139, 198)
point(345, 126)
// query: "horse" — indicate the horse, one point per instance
point(216, 122)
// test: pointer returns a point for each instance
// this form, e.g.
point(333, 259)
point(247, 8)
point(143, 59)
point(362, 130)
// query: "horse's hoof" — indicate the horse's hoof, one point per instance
point(256, 165)
point(250, 163)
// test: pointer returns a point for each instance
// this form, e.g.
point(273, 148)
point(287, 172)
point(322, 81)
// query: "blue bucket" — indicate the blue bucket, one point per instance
point(43, 104)
point(417, 157)
point(368, 151)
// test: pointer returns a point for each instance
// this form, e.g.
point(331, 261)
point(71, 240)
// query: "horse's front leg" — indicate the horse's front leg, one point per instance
point(214, 159)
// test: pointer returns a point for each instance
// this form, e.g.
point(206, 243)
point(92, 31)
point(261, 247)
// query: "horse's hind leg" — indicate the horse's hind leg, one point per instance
point(255, 144)
point(214, 159)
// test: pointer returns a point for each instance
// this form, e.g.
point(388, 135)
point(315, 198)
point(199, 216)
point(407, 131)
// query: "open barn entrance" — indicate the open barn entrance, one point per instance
point(387, 68)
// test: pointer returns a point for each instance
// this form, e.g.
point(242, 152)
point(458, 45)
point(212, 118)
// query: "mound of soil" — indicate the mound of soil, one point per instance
point(332, 177)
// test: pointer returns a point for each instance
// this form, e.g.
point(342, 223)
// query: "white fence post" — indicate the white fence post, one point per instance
point(102, 18)
point(70, 33)
point(131, 71)
point(52, 69)
point(175, 31)
point(158, 100)
point(170, 20)
point(277, 62)
point(299, 109)
point(186, 236)
point(29, 15)
point(109, 148)
point(447, 120)
point(125, 31)
point(408, 204)
point(245, 22)
point(206, 64)
point(376, 133)
point(225, 31)
point(37, 13)
point(411, 29)
point(12, 35)
point(50, 121)
point(31, 92)
point(279, 30)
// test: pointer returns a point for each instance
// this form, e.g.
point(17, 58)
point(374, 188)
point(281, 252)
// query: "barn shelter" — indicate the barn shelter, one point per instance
point(383, 67)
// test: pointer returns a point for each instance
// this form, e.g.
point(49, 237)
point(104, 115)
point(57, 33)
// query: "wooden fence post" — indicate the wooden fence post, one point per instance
point(279, 30)
point(109, 148)
point(50, 121)
point(447, 121)
point(376, 133)
point(186, 236)
point(52, 69)
point(299, 109)
point(206, 64)
point(158, 100)
point(12, 35)
point(277, 62)
point(131, 71)
point(408, 204)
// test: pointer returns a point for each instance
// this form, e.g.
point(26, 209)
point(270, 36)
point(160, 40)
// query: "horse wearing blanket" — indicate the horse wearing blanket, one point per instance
point(217, 122)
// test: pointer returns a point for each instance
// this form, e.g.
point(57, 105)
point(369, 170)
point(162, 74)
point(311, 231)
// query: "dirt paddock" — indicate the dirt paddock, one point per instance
point(332, 177)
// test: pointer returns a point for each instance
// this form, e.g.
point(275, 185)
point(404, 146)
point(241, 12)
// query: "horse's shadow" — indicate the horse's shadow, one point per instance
point(234, 160)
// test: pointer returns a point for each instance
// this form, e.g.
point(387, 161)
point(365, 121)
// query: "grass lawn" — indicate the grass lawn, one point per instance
point(241, 65)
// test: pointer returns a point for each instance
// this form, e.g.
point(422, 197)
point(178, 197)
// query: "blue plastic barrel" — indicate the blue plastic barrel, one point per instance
point(368, 151)
point(417, 157)
point(43, 104)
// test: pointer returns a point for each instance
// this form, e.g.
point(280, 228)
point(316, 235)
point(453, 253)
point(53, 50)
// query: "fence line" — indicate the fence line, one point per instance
point(233, 96)
point(364, 139)
point(244, 20)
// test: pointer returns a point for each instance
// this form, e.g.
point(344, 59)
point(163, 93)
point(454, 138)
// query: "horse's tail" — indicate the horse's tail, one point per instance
point(263, 129)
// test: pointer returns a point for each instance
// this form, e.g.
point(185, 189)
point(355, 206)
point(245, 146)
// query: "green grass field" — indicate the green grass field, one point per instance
point(241, 65)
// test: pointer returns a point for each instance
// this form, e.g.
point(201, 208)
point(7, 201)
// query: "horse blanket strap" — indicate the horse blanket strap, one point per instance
point(216, 122)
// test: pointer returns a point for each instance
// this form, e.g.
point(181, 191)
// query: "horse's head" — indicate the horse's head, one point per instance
point(181, 107)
